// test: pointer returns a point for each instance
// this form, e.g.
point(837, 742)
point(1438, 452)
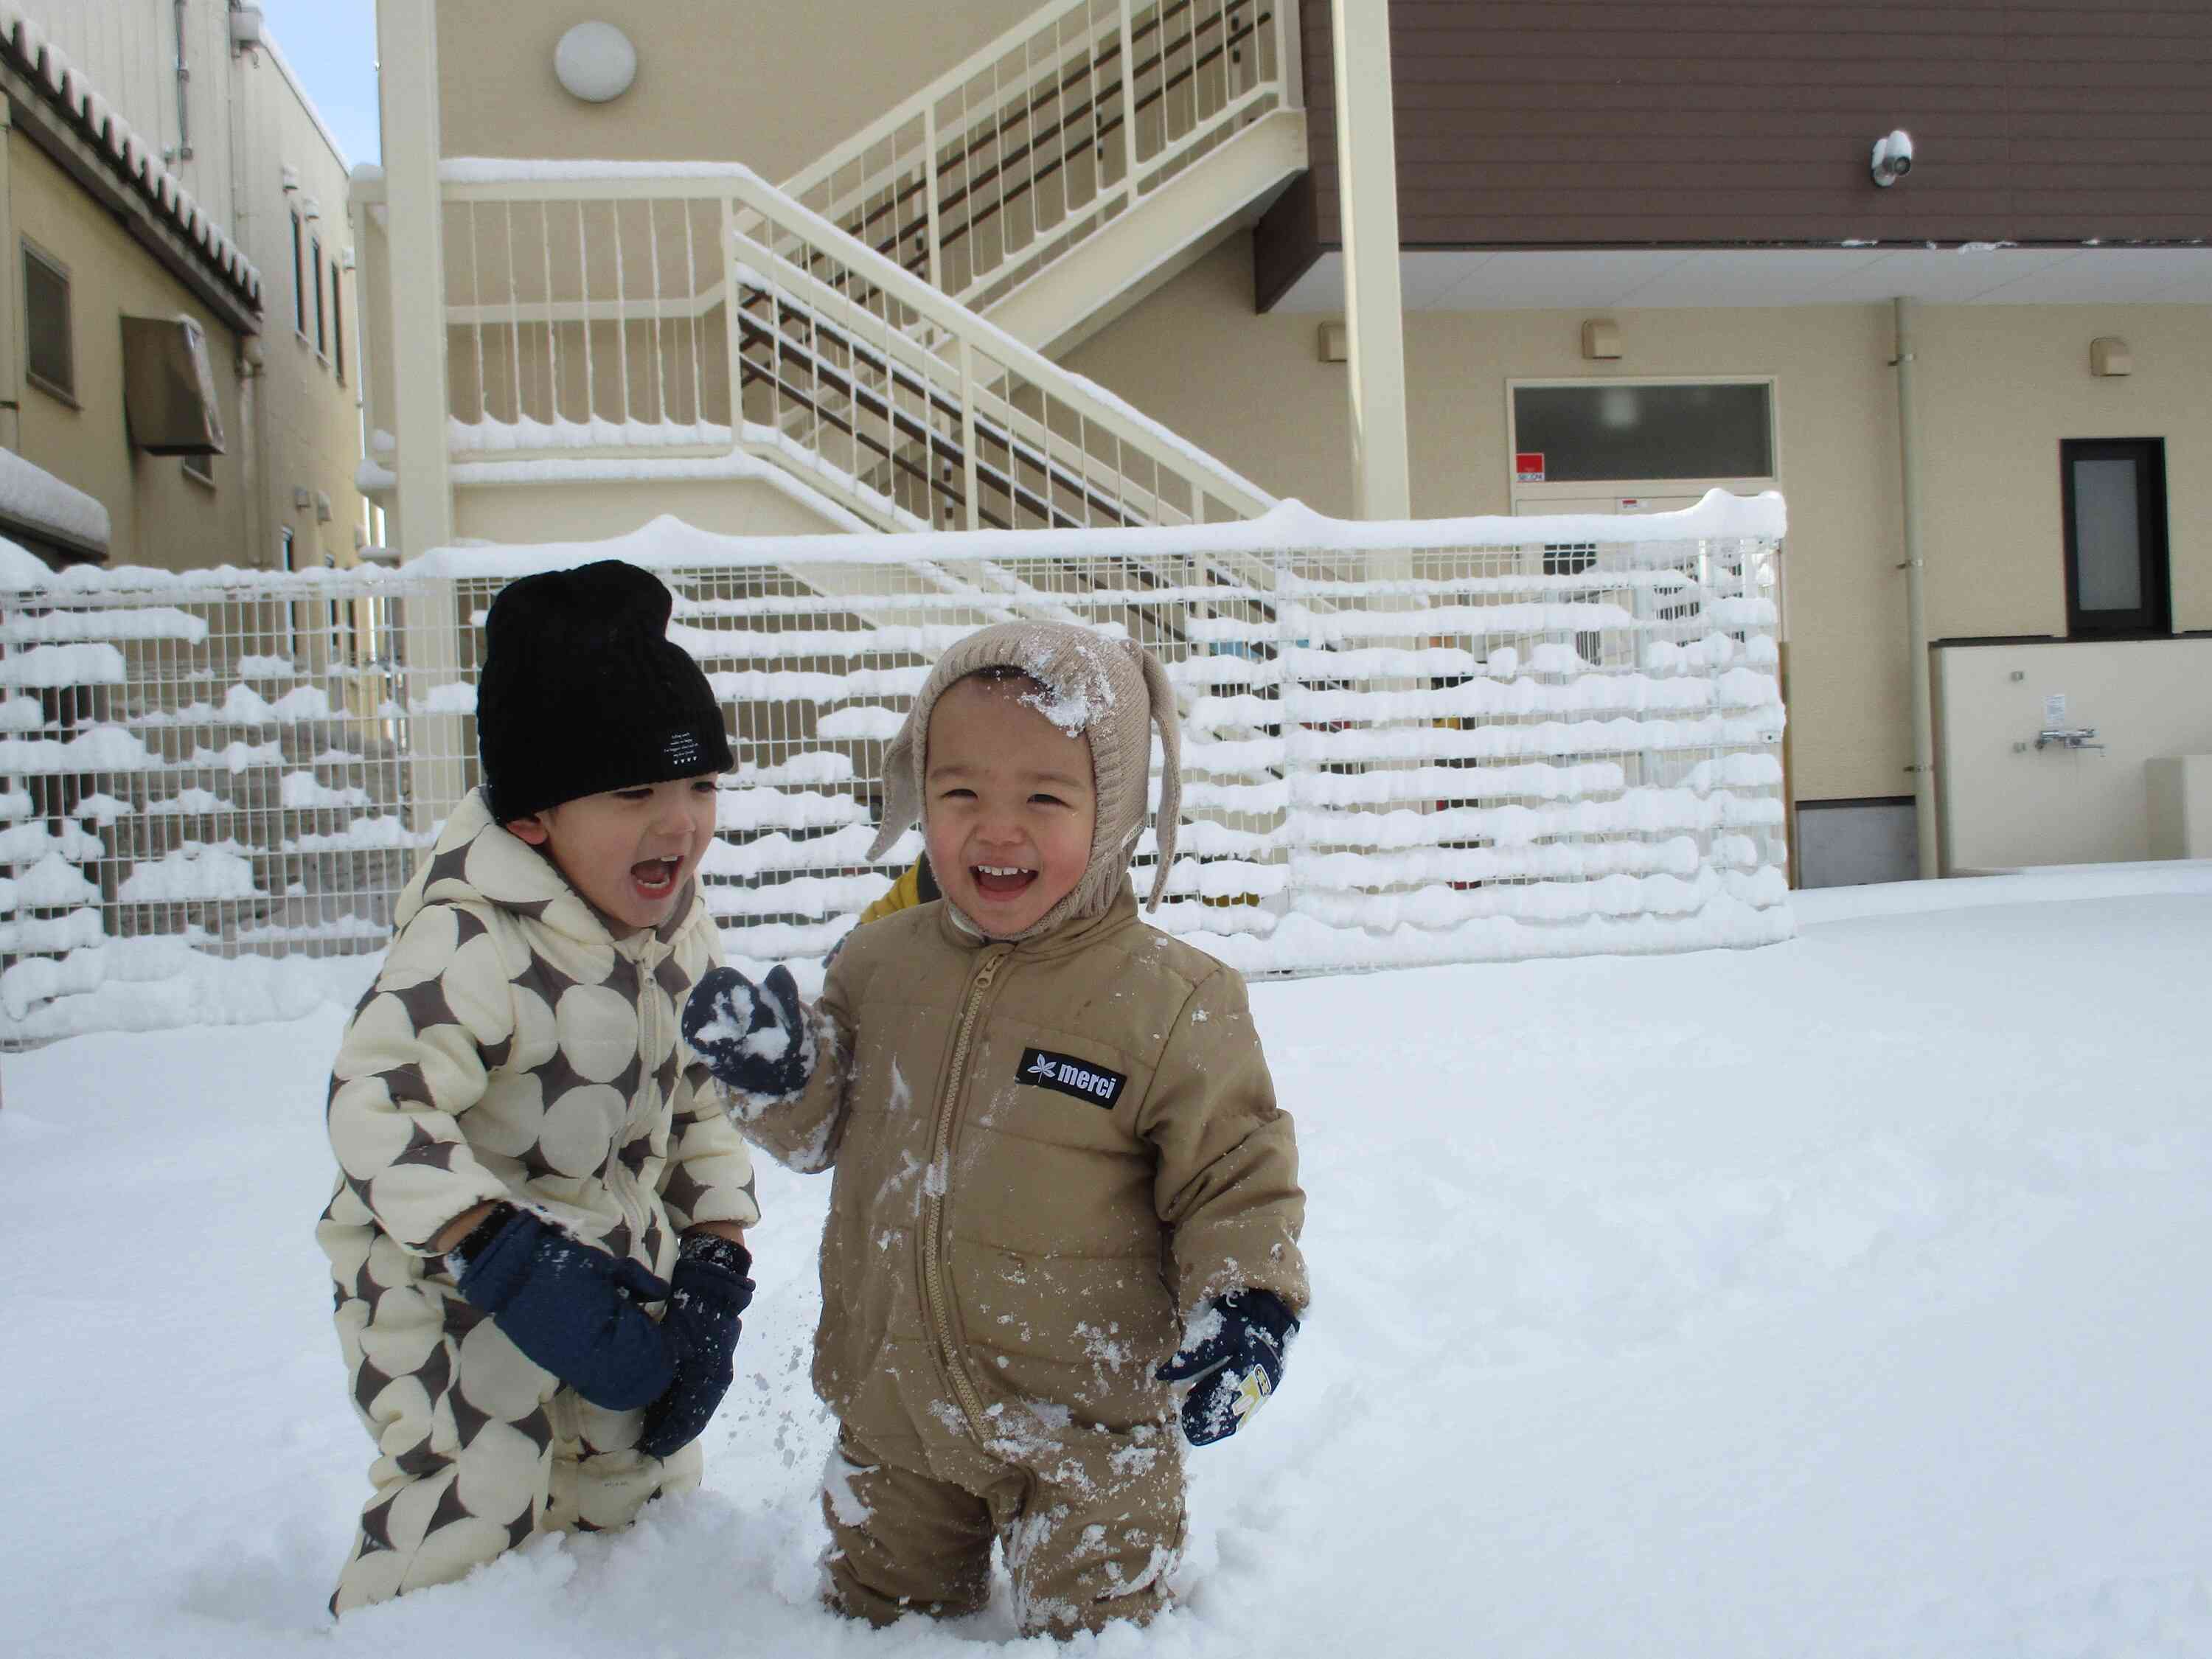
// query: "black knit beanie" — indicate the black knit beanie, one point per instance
point(582, 691)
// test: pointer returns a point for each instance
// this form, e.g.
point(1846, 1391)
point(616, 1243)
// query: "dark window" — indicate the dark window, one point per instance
point(52, 361)
point(337, 323)
point(322, 339)
point(2113, 496)
point(1602, 431)
point(299, 276)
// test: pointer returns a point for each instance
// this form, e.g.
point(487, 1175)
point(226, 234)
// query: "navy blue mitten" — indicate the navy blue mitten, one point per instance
point(754, 1038)
point(1232, 1358)
point(569, 1306)
point(709, 1291)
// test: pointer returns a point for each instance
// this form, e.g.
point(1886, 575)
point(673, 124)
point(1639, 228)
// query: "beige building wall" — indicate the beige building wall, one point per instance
point(157, 514)
point(772, 87)
point(309, 396)
point(128, 50)
point(1253, 390)
point(587, 512)
point(293, 423)
point(1999, 386)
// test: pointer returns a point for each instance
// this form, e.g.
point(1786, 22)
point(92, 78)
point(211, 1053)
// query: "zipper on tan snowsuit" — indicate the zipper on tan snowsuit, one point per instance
point(933, 1221)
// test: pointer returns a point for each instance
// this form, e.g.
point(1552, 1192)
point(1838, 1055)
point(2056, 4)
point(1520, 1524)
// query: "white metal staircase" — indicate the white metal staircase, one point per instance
point(1132, 130)
point(852, 329)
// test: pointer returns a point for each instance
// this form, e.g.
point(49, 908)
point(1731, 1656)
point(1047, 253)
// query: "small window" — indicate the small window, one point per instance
point(298, 277)
point(337, 324)
point(322, 338)
point(52, 363)
point(287, 622)
point(2114, 499)
point(1608, 430)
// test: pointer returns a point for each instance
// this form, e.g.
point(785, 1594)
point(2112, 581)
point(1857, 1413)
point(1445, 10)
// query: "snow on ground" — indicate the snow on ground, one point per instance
point(1842, 1297)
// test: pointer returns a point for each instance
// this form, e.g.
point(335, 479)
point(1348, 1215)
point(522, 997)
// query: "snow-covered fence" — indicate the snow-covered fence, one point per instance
point(1504, 738)
point(214, 762)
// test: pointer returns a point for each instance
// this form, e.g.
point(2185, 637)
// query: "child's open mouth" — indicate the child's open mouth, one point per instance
point(656, 878)
point(1001, 881)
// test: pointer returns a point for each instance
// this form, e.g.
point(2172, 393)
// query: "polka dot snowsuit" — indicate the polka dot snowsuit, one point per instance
point(511, 1048)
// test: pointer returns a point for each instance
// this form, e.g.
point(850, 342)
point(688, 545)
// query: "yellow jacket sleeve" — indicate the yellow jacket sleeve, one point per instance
point(904, 892)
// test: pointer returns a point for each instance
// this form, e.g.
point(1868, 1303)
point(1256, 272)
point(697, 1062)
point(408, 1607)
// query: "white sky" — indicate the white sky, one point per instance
point(331, 44)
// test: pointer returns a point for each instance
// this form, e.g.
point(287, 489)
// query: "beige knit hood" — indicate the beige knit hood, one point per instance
point(1110, 691)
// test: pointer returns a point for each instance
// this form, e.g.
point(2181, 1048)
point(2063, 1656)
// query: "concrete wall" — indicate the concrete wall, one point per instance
point(157, 515)
point(1999, 386)
point(2004, 807)
point(771, 86)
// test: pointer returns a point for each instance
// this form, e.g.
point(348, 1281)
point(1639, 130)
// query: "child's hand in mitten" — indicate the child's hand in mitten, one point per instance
point(755, 1038)
point(570, 1306)
point(710, 1290)
point(1233, 1356)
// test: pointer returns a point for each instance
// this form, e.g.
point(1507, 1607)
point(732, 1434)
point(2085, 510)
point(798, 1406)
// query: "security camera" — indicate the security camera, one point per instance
point(1893, 158)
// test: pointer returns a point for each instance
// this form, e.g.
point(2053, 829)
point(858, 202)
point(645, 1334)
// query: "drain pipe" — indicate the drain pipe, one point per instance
point(184, 84)
point(1915, 605)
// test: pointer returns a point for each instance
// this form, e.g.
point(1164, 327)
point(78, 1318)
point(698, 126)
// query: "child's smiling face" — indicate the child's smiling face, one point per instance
point(628, 851)
point(1009, 804)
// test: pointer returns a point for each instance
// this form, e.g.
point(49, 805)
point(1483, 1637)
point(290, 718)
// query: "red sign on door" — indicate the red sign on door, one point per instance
point(1529, 466)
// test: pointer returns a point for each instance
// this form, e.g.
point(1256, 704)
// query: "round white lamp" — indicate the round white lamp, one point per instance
point(595, 62)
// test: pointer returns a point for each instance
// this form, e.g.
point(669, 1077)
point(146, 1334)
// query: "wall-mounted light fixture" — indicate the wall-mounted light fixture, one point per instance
point(1330, 344)
point(1893, 158)
point(2109, 356)
point(1601, 339)
point(595, 62)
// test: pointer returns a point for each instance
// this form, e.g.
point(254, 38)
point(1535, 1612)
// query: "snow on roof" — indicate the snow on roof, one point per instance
point(33, 497)
point(130, 155)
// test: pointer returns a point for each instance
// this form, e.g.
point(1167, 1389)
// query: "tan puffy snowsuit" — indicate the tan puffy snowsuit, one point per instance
point(1015, 1238)
point(511, 1048)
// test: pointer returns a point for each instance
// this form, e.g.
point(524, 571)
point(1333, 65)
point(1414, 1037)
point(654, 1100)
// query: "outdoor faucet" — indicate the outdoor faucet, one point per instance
point(2069, 737)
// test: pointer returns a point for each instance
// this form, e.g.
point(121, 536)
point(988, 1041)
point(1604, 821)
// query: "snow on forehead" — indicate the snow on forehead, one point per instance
point(1073, 689)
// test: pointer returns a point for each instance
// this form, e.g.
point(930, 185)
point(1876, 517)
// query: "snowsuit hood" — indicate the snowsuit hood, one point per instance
point(1113, 692)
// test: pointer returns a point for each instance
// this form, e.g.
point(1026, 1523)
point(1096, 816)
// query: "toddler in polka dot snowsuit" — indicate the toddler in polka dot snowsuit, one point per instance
point(535, 1232)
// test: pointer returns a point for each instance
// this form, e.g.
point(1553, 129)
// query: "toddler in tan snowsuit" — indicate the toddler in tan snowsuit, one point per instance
point(1062, 1184)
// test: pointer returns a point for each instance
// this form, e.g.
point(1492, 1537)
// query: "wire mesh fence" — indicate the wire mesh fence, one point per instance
point(1435, 754)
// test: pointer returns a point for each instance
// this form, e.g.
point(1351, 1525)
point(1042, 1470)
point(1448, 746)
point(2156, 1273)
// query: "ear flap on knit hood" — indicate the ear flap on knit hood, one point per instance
point(1113, 692)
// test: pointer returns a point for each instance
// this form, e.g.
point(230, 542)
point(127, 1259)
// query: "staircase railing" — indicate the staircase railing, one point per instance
point(692, 310)
point(1003, 164)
